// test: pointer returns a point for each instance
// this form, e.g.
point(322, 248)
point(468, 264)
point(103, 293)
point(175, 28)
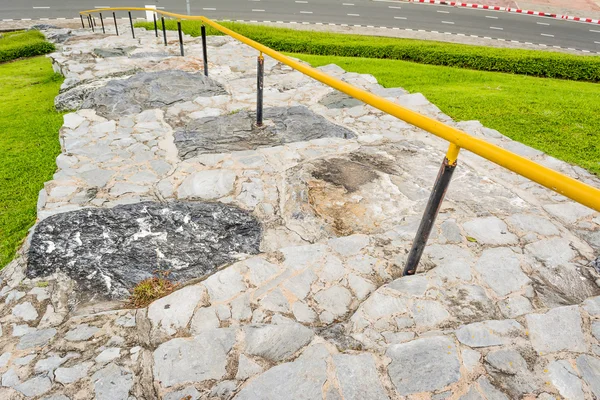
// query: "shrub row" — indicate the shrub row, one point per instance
point(23, 44)
point(524, 62)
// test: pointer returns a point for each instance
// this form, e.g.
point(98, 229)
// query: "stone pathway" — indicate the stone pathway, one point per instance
point(295, 238)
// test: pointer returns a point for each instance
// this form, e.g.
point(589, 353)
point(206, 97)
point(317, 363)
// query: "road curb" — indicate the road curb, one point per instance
point(507, 9)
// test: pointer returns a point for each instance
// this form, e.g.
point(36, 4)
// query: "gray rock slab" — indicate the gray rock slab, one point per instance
point(501, 271)
point(488, 333)
point(114, 52)
point(557, 330)
point(589, 367)
point(35, 386)
point(423, 365)
point(565, 379)
point(339, 100)
point(489, 230)
point(25, 311)
point(81, 332)
point(552, 252)
point(490, 391)
point(592, 306)
point(238, 132)
point(174, 311)
point(112, 382)
point(38, 338)
point(195, 359)
point(357, 376)
point(428, 313)
point(276, 342)
point(4, 359)
point(302, 379)
point(146, 90)
point(533, 223)
point(472, 394)
point(510, 370)
point(247, 368)
point(335, 300)
point(72, 374)
point(207, 185)
point(189, 393)
point(117, 248)
point(515, 306)
point(414, 285)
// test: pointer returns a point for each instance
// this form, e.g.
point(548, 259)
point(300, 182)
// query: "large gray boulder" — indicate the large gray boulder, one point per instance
point(108, 251)
point(238, 132)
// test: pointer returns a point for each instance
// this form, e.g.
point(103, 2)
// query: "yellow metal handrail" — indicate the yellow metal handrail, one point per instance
point(560, 183)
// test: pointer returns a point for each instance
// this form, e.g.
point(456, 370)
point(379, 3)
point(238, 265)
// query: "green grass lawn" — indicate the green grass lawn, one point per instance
point(28, 145)
point(23, 44)
point(561, 118)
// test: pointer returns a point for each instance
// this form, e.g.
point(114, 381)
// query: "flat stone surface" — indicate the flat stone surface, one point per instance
point(276, 342)
point(25, 311)
point(302, 379)
point(36, 339)
point(500, 269)
point(589, 367)
point(81, 332)
point(490, 391)
point(146, 90)
point(488, 333)
point(189, 393)
point(489, 230)
point(35, 386)
point(565, 379)
point(175, 311)
point(337, 99)
point(247, 368)
point(557, 330)
point(428, 313)
point(422, 365)
point(195, 359)
point(335, 300)
point(207, 185)
point(509, 368)
point(72, 374)
point(119, 247)
point(357, 375)
point(112, 382)
point(551, 251)
point(238, 132)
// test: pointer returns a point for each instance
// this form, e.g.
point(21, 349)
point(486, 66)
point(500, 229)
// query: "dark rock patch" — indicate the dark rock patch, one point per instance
point(108, 251)
point(339, 100)
point(147, 90)
point(238, 132)
point(42, 27)
point(340, 172)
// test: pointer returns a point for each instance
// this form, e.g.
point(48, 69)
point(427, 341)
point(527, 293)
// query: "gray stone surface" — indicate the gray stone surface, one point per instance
point(72, 374)
point(335, 300)
point(514, 306)
point(557, 330)
point(114, 52)
point(183, 394)
point(339, 100)
point(276, 342)
point(589, 368)
point(119, 247)
point(146, 90)
point(500, 269)
point(428, 313)
point(490, 391)
point(173, 312)
point(237, 132)
point(510, 370)
point(35, 386)
point(247, 368)
point(423, 365)
point(25, 311)
point(195, 359)
point(302, 379)
point(112, 382)
point(357, 376)
point(489, 230)
point(36, 339)
point(565, 379)
point(488, 333)
point(207, 185)
point(81, 332)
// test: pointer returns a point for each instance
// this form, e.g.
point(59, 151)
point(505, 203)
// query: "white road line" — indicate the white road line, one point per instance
point(209, 9)
point(396, 7)
point(353, 15)
point(40, 7)
point(347, 4)
point(444, 12)
point(301, 2)
point(399, 17)
point(556, 47)
point(25, 19)
point(370, 26)
point(546, 34)
point(448, 22)
point(495, 27)
point(542, 23)
point(8, 19)
point(11, 20)
point(489, 16)
point(255, 10)
point(591, 30)
point(306, 12)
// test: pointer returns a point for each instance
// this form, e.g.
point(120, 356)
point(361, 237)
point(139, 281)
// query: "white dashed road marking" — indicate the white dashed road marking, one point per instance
point(448, 22)
point(399, 17)
point(489, 16)
point(542, 23)
point(495, 27)
point(353, 15)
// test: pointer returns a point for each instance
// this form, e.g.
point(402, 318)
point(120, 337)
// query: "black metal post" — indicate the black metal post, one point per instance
point(116, 27)
point(204, 51)
point(259, 90)
point(433, 206)
point(155, 25)
point(102, 22)
point(180, 37)
point(82, 24)
point(92, 23)
point(131, 23)
point(164, 30)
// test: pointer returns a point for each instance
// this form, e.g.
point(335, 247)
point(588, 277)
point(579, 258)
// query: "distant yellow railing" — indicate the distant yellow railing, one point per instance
point(560, 183)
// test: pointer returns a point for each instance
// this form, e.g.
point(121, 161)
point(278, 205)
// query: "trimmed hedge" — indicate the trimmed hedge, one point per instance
point(23, 44)
point(524, 62)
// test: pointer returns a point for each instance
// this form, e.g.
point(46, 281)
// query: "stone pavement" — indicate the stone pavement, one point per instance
point(295, 238)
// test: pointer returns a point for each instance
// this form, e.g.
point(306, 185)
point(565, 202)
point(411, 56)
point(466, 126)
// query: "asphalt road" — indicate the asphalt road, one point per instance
point(390, 14)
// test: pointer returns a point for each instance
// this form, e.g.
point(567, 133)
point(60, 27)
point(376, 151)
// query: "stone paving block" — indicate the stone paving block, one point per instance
point(557, 330)
point(276, 342)
point(358, 378)
point(500, 269)
point(589, 367)
point(489, 230)
point(489, 333)
point(112, 382)
point(565, 379)
point(422, 365)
